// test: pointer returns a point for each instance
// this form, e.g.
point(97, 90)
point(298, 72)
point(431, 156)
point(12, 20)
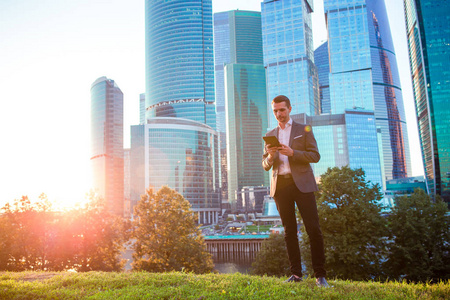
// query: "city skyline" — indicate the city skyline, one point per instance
point(47, 65)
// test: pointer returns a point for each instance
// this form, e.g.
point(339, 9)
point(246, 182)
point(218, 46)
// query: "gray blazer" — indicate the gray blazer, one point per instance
point(305, 152)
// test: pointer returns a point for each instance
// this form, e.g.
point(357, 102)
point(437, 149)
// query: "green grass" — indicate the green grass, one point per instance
point(254, 228)
point(138, 285)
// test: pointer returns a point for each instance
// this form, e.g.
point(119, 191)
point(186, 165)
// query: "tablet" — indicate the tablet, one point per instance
point(272, 140)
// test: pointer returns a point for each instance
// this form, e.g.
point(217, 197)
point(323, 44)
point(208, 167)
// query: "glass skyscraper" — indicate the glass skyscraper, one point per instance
point(182, 154)
point(179, 141)
point(364, 75)
point(321, 59)
point(246, 115)
point(107, 143)
point(346, 139)
point(179, 65)
point(428, 33)
point(289, 54)
point(237, 40)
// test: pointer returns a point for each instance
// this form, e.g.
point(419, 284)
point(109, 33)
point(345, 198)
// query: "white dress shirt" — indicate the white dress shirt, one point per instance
point(283, 137)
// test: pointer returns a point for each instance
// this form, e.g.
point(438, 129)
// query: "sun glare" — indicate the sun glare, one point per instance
point(60, 197)
point(70, 190)
point(66, 202)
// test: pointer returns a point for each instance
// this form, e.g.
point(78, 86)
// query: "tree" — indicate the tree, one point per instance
point(99, 236)
point(353, 228)
point(420, 234)
point(33, 237)
point(23, 234)
point(272, 259)
point(7, 233)
point(167, 237)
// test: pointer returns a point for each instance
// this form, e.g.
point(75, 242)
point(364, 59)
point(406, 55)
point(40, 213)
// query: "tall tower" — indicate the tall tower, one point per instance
point(237, 40)
point(179, 57)
point(238, 46)
point(289, 54)
point(246, 112)
point(428, 36)
point(364, 75)
point(321, 59)
point(178, 144)
point(107, 143)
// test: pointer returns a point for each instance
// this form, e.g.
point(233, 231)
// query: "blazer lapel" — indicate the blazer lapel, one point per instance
point(294, 131)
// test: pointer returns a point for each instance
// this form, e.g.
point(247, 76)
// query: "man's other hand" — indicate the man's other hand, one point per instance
point(286, 150)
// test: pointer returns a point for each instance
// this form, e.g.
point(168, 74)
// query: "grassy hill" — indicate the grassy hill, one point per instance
point(176, 285)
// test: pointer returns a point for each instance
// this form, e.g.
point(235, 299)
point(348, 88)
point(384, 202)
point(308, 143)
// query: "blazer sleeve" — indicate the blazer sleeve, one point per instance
point(267, 165)
point(311, 152)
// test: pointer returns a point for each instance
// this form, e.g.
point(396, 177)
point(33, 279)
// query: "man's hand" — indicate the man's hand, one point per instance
point(271, 150)
point(285, 150)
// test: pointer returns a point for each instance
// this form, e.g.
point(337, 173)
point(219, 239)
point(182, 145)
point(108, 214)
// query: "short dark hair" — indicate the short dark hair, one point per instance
point(282, 98)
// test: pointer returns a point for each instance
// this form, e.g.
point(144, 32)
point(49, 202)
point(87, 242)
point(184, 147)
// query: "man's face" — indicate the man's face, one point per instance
point(281, 112)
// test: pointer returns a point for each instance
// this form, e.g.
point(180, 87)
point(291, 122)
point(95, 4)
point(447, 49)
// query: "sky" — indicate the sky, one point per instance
point(53, 50)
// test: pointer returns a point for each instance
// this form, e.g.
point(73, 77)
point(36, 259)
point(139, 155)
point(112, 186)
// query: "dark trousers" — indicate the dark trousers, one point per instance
point(286, 196)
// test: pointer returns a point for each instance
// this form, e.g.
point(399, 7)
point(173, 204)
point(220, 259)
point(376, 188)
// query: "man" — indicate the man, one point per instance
point(293, 183)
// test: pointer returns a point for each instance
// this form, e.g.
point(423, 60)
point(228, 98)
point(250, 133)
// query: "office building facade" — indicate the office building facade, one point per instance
point(181, 154)
point(403, 187)
point(289, 54)
point(321, 60)
point(237, 40)
point(348, 139)
point(252, 199)
point(180, 92)
point(246, 115)
point(364, 75)
point(179, 56)
point(107, 143)
point(428, 35)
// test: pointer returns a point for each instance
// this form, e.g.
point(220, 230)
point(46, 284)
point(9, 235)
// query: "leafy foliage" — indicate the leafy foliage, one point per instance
point(167, 237)
point(272, 259)
point(420, 234)
point(24, 235)
point(33, 237)
point(99, 237)
point(352, 225)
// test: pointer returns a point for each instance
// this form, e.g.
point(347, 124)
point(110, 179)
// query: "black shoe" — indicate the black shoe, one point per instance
point(322, 282)
point(294, 278)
